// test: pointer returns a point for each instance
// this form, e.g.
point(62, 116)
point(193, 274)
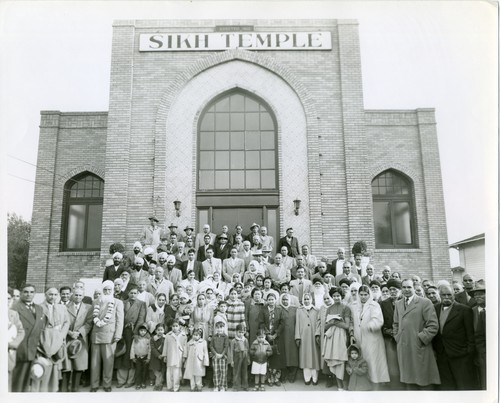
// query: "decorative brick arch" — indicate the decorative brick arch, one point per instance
point(62, 179)
point(276, 73)
point(407, 171)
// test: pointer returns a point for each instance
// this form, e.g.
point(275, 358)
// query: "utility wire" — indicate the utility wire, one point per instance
point(39, 167)
point(29, 180)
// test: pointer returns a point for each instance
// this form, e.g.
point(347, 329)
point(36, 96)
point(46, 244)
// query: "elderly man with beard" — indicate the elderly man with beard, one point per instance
point(454, 343)
point(114, 271)
point(387, 308)
point(107, 317)
point(134, 315)
point(140, 273)
point(161, 285)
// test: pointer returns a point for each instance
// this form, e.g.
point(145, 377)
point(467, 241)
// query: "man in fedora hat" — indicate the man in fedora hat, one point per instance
point(479, 326)
point(151, 234)
point(188, 234)
point(254, 232)
point(222, 250)
point(80, 324)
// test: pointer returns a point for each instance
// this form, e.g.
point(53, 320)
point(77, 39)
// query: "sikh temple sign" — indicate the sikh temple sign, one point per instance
point(168, 42)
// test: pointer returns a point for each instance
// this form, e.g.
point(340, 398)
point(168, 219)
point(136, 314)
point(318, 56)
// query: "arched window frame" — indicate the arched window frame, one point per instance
point(244, 189)
point(392, 199)
point(92, 199)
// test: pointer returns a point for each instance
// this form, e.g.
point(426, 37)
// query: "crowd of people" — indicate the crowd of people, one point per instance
point(222, 312)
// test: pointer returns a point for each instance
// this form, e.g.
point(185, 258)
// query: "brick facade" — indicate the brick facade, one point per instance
point(329, 147)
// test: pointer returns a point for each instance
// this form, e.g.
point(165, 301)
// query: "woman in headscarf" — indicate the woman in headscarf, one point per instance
point(334, 345)
point(190, 280)
point(305, 328)
point(202, 316)
point(319, 333)
point(156, 313)
point(171, 311)
point(252, 312)
point(289, 352)
point(353, 293)
point(252, 272)
point(366, 327)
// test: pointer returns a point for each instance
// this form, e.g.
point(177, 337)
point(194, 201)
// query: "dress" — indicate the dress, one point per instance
point(201, 317)
point(196, 354)
point(252, 312)
point(367, 321)
point(333, 346)
point(305, 328)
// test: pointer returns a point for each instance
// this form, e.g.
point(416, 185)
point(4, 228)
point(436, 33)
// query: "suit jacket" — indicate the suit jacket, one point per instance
point(199, 239)
point(137, 276)
point(246, 259)
point(134, 314)
point(198, 270)
point(366, 281)
point(200, 254)
point(231, 266)
point(479, 323)
point(293, 246)
point(209, 269)
point(175, 276)
point(111, 274)
point(80, 321)
point(224, 253)
point(113, 328)
point(388, 314)
point(332, 268)
point(33, 326)
point(463, 298)
point(295, 290)
point(457, 337)
point(165, 286)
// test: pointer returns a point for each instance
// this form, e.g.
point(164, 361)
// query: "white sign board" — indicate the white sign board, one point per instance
point(170, 42)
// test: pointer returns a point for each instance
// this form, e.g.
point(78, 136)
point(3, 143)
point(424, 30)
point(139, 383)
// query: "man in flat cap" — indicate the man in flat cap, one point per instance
point(222, 250)
point(151, 234)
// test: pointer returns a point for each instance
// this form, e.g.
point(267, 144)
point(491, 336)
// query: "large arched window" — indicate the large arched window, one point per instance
point(237, 145)
point(393, 211)
point(83, 195)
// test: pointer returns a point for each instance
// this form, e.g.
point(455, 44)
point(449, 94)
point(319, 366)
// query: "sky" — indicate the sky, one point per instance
point(415, 54)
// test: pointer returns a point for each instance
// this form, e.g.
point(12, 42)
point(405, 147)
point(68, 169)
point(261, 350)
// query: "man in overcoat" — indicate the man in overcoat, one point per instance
point(454, 343)
point(33, 321)
point(107, 317)
point(415, 325)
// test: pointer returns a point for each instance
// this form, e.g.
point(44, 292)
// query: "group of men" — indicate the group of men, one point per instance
point(71, 334)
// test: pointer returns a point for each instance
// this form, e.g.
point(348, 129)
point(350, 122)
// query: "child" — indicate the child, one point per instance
point(140, 353)
point(219, 347)
point(260, 351)
point(220, 315)
point(196, 359)
point(156, 363)
point(239, 359)
point(357, 368)
point(183, 315)
point(173, 350)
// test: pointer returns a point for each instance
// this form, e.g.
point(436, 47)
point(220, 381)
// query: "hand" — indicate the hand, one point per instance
point(317, 340)
point(297, 342)
point(116, 339)
point(134, 360)
point(349, 371)
point(165, 360)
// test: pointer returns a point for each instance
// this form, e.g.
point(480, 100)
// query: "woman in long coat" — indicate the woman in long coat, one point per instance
point(202, 316)
point(367, 321)
point(305, 328)
point(320, 332)
point(253, 307)
point(289, 353)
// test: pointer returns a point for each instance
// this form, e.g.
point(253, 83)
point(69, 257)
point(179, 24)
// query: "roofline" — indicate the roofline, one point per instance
point(468, 240)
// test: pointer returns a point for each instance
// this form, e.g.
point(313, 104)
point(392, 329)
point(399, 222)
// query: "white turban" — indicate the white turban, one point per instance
point(137, 244)
point(163, 255)
point(139, 260)
point(117, 254)
point(171, 258)
point(108, 283)
point(148, 251)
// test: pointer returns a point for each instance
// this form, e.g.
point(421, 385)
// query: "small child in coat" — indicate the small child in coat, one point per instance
point(156, 363)
point(173, 351)
point(357, 368)
point(196, 359)
point(239, 359)
point(219, 347)
point(140, 353)
point(260, 350)
point(220, 316)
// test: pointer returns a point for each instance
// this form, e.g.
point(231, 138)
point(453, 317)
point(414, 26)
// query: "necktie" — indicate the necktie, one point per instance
point(407, 301)
point(32, 309)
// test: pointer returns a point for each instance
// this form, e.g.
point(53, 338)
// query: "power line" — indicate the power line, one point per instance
point(29, 180)
point(39, 167)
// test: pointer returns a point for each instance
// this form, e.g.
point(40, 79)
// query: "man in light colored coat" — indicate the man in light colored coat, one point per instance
point(232, 265)
point(108, 327)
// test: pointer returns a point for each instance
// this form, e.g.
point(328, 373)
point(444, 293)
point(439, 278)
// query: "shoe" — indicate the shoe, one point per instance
point(216, 389)
point(315, 383)
point(340, 389)
point(143, 386)
point(151, 383)
point(262, 389)
point(222, 390)
point(307, 383)
point(129, 386)
point(277, 383)
point(93, 389)
point(138, 387)
point(329, 382)
point(120, 386)
point(108, 389)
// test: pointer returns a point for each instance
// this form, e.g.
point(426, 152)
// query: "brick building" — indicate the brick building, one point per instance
point(237, 120)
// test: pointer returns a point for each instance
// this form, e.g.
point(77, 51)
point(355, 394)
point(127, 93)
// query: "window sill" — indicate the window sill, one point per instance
point(401, 250)
point(80, 253)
